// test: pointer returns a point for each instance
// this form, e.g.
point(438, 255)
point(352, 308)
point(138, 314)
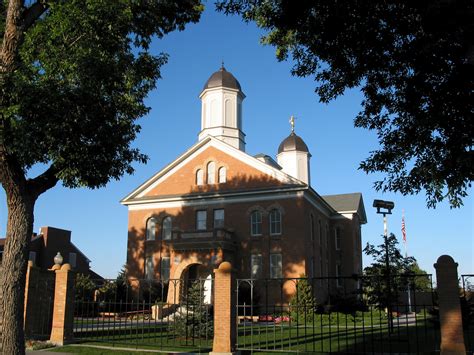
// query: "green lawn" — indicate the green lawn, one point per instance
point(362, 332)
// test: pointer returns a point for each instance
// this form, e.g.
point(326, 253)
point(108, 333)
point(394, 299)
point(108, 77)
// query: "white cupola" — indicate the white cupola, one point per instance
point(293, 156)
point(221, 114)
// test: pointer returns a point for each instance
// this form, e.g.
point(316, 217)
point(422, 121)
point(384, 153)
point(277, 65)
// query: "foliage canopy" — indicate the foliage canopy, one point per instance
point(414, 63)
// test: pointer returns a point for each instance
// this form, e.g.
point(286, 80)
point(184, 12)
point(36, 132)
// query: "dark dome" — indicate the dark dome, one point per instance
point(222, 78)
point(293, 142)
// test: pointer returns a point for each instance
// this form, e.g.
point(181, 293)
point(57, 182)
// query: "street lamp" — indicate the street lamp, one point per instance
point(384, 208)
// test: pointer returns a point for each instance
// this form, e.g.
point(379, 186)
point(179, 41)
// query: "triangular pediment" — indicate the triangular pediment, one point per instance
point(243, 173)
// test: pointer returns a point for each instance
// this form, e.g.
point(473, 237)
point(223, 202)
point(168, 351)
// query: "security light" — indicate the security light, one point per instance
point(385, 205)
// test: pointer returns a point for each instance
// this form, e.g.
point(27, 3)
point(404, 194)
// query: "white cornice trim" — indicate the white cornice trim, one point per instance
point(178, 202)
point(196, 149)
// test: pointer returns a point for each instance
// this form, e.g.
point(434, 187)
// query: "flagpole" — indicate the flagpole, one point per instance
point(406, 256)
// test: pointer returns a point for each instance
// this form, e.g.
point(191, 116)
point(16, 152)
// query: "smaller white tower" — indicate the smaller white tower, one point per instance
point(293, 156)
point(221, 115)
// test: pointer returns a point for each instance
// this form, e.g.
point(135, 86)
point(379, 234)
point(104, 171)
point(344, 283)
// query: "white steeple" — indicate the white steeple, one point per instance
point(293, 156)
point(221, 114)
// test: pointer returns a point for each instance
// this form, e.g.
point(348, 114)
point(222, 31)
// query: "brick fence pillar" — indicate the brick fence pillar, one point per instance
point(452, 338)
point(224, 310)
point(63, 313)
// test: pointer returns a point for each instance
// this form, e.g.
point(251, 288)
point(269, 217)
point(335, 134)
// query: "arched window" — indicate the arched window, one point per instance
point(166, 228)
point(199, 177)
point(151, 229)
point(222, 175)
point(211, 173)
point(256, 223)
point(275, 222)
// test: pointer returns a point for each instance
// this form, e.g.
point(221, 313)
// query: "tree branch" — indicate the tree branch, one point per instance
point(43, 182)
point(33, 13)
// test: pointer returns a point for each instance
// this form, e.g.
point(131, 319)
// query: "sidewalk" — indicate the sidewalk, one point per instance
point(45, 352)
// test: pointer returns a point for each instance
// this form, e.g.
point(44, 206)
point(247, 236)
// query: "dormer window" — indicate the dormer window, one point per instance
point(199, 177)
point(222, 175)
point(211, 173)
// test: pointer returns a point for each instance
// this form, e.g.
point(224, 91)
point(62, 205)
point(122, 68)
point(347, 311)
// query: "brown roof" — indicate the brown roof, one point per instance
point(293, 142)
point(222, 78)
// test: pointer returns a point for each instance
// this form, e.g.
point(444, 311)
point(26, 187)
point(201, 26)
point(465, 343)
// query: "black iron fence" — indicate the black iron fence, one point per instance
point(345, 314)
point(39, 319)
point(172, 314)
point(467, 309)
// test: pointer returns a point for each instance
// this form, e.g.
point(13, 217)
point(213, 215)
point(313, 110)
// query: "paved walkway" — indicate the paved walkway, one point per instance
point(44, 352)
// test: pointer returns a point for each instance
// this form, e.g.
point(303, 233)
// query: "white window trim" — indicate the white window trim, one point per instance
point(270, 222)
point(259, 213)
point(214, 218)
point(211, 173)
point(149, 237)
point(167, 268)
point(197, 220)
point(169, 231)
point(149, 274)
point(222, 175)
point(280, 274)
point(260, 265)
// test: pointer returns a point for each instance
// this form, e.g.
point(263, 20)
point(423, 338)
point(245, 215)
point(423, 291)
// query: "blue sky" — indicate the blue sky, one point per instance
point(99, 223)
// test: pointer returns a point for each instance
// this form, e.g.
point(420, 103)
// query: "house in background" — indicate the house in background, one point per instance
point(47, 243)
point(217, 203)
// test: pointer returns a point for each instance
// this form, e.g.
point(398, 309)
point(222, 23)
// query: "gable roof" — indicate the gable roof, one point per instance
point(348, 203)
point(199, 147)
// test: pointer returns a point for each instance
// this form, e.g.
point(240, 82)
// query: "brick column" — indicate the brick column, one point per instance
point(63, 313)
point(224, 310)
point(452, 338)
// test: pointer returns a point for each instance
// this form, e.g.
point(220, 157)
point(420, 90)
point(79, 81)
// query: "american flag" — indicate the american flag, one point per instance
point(404, 233)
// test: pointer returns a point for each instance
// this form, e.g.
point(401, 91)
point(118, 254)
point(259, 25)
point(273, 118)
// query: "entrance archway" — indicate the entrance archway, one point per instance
point(188, 269)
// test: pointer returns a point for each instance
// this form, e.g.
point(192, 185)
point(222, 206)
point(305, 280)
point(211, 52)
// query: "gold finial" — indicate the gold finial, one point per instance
point(292, 123)
point(222, 64)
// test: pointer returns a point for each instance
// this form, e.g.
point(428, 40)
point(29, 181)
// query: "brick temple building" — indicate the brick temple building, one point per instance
point(217, 203)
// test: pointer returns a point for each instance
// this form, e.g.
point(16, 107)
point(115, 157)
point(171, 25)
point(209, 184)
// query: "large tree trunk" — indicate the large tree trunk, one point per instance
point(12, 279)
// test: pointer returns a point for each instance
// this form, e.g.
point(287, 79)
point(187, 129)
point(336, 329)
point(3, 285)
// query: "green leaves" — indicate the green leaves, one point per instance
point(413, 62)
point(84, 72)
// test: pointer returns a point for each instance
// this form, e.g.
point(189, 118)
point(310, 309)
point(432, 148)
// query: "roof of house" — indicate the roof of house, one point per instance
point(347, 203)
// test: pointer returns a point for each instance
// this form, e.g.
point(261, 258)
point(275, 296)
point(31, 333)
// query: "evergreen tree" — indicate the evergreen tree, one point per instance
point(383, 285)
point(194, 319)
point(303, 302)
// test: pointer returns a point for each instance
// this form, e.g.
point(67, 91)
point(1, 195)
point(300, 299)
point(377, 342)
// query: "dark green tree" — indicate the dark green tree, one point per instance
point(73, 79)
point(303, 302)
point(413, 62)
point(193, 319)
point(419, 279)
point(381, 284)
point(84, 288)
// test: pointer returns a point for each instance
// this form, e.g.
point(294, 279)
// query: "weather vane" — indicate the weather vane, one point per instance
point(292, 123)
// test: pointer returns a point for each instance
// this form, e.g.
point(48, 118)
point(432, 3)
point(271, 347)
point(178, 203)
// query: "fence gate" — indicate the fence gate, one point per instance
point(171, 315)
point(341, 315)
